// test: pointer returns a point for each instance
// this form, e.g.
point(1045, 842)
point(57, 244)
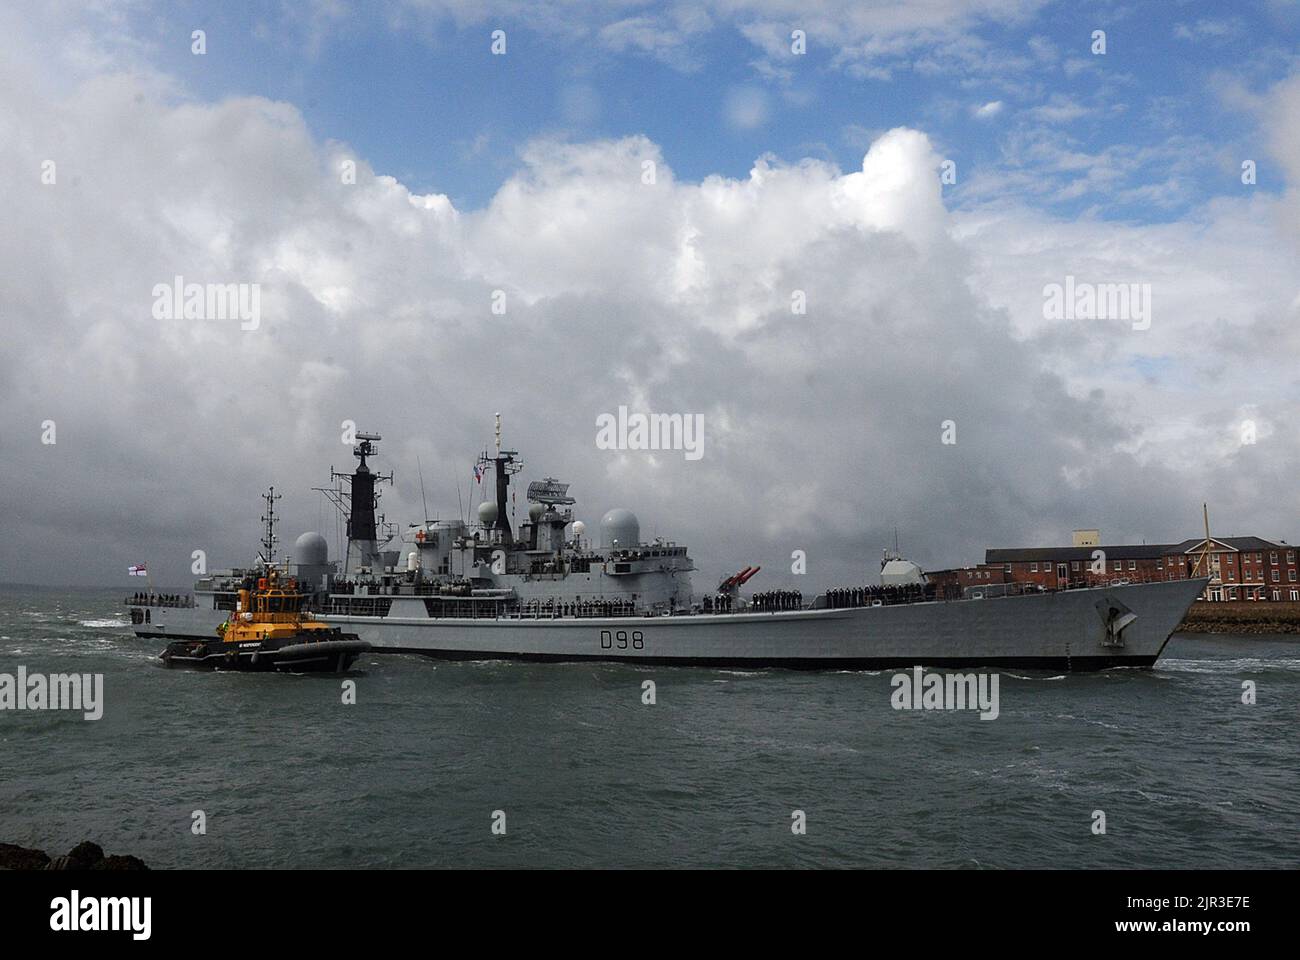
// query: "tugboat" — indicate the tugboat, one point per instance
point(270, 627)
point(270, 630)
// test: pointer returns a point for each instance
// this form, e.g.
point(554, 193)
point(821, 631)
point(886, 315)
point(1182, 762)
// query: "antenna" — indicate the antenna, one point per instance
point(423, 502)
point(269, 539)
point(1205, 554)
point(505, 463)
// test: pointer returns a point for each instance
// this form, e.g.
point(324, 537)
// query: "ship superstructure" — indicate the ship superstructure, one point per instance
point(483, 589)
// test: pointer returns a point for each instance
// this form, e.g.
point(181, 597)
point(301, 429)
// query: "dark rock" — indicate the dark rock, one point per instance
point(21, 858)
point(84, 856)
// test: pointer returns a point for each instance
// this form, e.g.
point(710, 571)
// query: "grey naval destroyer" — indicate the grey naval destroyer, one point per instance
point(546, 592)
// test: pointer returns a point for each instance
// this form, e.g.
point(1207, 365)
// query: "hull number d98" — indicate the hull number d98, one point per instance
point(621, 640)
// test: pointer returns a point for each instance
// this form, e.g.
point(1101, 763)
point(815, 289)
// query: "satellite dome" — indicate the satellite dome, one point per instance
point(620, 525)
point(311, 550)
point(487, 513)
point(579, 528)
point(535, 511)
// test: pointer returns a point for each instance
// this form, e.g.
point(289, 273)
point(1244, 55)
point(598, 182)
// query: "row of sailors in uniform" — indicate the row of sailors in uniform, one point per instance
point(769, 600)
point(162, 600)
point(718, 604)
point(777, 600)
point(866, 596)
point(580, 608)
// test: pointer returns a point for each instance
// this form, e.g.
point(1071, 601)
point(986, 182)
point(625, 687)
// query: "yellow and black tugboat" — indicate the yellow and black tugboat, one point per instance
point(270, 630)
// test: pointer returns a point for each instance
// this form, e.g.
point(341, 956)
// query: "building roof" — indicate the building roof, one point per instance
point(1142, 551)
point(1236, 543)
point(1129, 551)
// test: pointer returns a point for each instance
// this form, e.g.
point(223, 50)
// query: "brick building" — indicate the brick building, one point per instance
point(1240, 568)
point(1055, 568)
point(954, 581)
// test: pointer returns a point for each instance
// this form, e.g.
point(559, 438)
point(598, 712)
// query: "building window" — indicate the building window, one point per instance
point(1119, 565)
point(1132, 564)
point(1160, 564)
point(1290, 575)
point(1074, 565)
point(1295, 594)
point(1033, 568)
point(1272, 556)
point(1277, 594)
point(1006, 568)
point(1276, 576)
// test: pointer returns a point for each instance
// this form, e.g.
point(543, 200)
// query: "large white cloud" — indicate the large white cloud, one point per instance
point(822, 429)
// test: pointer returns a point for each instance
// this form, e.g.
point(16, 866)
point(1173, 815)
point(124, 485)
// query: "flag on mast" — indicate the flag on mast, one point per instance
point(137, 570)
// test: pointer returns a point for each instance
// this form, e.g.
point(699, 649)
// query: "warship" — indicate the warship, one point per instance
point(547, 592)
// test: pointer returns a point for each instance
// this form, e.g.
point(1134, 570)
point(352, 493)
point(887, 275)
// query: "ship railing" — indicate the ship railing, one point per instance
point(1122, 579)
point(1082, 582)
point(146, 600)
point(569, 610)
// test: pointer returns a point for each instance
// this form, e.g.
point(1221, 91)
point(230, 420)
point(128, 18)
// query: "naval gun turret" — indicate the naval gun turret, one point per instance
point(897, 571)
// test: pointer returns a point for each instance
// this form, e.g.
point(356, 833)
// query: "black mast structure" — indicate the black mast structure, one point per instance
point(506, 463)
point(359, 501)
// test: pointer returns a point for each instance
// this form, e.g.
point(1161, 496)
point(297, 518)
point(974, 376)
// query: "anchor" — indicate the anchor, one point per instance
point(1117, 618)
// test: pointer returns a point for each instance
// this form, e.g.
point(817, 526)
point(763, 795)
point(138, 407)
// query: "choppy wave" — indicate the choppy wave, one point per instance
point(1251, 664)
point(708, 776)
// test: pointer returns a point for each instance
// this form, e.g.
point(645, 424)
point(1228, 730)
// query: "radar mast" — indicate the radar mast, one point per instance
point(505, 464)
point(357, 504)
point(269, 539)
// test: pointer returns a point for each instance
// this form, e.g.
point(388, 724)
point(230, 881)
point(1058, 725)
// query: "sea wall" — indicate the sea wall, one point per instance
point(1242, 616)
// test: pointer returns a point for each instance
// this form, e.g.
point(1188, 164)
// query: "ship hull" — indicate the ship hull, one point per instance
point(1062, 630)
point(282, 656)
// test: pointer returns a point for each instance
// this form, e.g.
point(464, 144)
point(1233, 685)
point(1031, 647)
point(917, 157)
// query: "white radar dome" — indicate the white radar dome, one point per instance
point(620, 528)
point(311, 550)
point(487, 513)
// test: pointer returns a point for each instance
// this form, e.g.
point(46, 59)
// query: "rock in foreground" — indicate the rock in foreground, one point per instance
point(84, 856)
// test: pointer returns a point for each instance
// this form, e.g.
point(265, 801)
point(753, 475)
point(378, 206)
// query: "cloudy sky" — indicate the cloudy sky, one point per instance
point(648, 190)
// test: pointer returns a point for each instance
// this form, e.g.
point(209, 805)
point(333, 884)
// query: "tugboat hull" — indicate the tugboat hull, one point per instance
point(286, 655)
